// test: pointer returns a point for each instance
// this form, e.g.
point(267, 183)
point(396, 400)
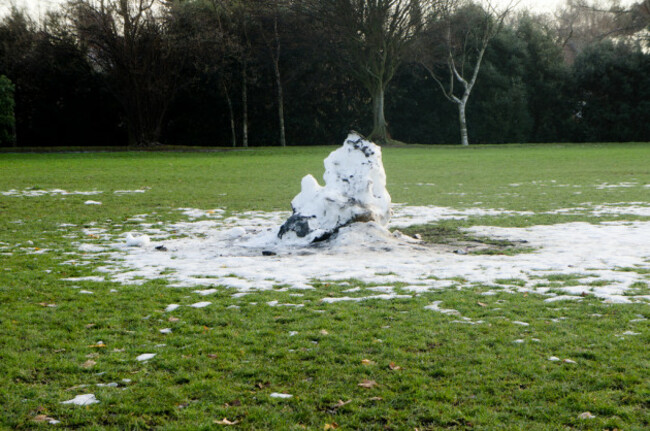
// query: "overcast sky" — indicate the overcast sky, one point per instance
point(38, 7)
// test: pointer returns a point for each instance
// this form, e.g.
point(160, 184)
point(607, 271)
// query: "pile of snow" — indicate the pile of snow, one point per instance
point(354, 191)
point(82, 400)
point(137, 241)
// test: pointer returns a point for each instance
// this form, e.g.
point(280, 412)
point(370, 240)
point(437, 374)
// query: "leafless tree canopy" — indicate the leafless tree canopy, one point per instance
point(127, 40)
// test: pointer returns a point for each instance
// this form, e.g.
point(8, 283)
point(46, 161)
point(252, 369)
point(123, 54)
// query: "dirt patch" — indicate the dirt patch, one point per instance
point(454, 240)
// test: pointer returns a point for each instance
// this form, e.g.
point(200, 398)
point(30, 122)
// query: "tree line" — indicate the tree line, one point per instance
point(300, 72)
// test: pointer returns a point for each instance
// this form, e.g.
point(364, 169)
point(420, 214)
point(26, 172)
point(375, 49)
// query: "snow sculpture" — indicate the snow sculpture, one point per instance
point(354, 191)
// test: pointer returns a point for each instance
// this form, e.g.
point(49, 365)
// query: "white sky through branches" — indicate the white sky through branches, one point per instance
point(37, 8)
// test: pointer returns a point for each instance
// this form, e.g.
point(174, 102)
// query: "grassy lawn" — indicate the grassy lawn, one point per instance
point(384, 365)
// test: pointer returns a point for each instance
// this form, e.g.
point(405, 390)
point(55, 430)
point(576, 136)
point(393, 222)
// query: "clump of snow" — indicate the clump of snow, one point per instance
point(145, 357)
point(354, 191)
point(137, 241)
point(82, 400)
point(278, 395)
point(90, 202)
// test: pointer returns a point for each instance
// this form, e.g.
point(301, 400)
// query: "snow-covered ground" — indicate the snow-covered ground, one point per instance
point(242, 252)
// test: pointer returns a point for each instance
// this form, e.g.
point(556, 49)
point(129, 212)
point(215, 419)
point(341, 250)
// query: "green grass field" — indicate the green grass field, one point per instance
point(422, 371)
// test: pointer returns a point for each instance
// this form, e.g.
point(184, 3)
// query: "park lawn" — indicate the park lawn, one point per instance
point(423, 369)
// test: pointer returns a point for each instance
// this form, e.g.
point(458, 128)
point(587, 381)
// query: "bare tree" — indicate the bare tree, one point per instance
point(267, 21)
point(580, 23)
point(128, 41)
point(374, 35)
point(239, 20)
point(212, 45)
point(456, 41)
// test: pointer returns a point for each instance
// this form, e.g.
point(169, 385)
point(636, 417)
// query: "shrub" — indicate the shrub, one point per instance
point(7, 117)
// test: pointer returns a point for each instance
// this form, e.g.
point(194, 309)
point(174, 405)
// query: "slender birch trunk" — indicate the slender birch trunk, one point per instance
point(283, 139)
point(278, 81)
point(464, 140)
point(233, 131)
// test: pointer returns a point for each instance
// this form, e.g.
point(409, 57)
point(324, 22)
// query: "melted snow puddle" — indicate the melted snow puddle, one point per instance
point(228, 251)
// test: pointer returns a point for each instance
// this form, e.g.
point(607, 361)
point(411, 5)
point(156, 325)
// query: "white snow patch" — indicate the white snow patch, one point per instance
point(383, 289)
point(37, 193)
point(413, 215)
point(364, 298)
point(516, 322)
point(604, 186)
point(631, 333)
point(193, 213)
point(354, 289)
point(145, 357)
point(165, 331)
point(82, 400)
point(278, 395)
point(206, 292)
point(436, 307)
point(91, 248)
point(171, 307)
point(200, 304)
point(96, 278)
point(563, 298)
point(206, 255)
point(137, 241)
point(90, 202)
point(278, 304)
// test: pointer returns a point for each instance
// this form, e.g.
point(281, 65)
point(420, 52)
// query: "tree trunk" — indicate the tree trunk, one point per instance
point(379, 127)
point(463, 124)
point(233, 131)
point(14, 131)
point(278, 80)
point(244, 98)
